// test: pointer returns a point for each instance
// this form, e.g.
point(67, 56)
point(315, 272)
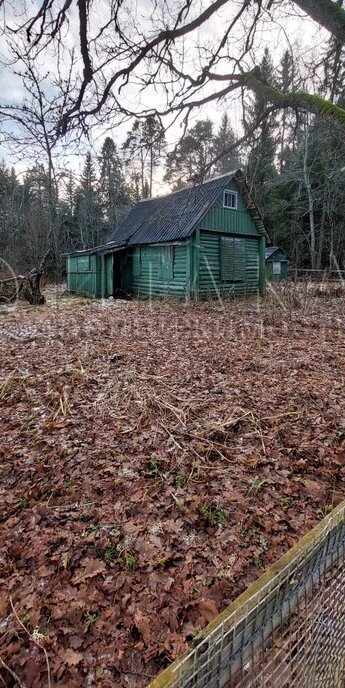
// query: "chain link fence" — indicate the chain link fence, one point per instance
point(287, 630)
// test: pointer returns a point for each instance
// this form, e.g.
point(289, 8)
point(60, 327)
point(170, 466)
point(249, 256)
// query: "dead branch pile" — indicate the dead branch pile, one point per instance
point(26, 287)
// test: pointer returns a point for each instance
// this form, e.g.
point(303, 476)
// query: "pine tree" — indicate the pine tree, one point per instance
point(191, 161)
point(153, 141)
point(70, 192)
point(87, 207)
point(134, 156)
point(88, 177)
point(8, 189)
point(286, 82)
point(113, 193)
point(142, 149)
point(225, 138)
point(38, 214)
point(69, 230)
point(261, 158)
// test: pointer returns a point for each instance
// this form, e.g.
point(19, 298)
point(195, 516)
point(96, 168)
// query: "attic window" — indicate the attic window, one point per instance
point(230, 199)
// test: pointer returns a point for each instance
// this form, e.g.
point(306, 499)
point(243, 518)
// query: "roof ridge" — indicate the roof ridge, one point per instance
point(196, 185)
point(174, 215)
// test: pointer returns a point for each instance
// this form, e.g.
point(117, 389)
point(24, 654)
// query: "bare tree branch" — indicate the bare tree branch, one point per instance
point(121, 54)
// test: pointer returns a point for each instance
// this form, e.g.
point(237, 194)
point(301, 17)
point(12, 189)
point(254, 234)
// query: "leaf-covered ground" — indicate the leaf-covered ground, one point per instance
point(154, 460)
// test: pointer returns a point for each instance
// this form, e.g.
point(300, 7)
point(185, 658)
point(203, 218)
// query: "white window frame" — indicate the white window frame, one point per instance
point(277, 267)
point(234, 193)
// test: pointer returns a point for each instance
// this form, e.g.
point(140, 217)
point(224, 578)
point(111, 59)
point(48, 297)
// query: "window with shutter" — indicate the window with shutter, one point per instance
point(232, 259)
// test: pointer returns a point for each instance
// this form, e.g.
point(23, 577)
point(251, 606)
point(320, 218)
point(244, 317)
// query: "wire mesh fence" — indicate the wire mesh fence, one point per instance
point(287, 630)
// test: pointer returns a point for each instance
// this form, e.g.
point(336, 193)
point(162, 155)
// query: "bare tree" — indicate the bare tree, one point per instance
point(30, 128)
point(116, 52)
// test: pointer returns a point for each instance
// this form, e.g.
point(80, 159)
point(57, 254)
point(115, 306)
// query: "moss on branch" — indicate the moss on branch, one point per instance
point(295, 99)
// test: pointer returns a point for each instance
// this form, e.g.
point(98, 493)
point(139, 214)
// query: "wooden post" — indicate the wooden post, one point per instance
point(102, 276)
point(189, 258)
point(195, 264)
point(262, 266)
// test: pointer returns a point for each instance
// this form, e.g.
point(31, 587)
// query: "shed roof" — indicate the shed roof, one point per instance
point(175, 216)
point(270, 250)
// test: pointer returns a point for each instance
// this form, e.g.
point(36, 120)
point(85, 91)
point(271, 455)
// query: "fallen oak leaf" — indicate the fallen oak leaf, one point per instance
point(143, 624)
point(314, 488)
point(71, 657)
point(93, 568)
point(208, 609)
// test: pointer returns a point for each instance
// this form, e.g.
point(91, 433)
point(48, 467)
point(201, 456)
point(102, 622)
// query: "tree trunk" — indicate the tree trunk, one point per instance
point(24, 287)
point(151, 170)
point(322, 233)
point(142, 163)
point(307, 183)
point(282, 141)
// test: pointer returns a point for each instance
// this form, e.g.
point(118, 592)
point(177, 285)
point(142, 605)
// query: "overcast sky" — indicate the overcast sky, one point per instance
point(287, 31)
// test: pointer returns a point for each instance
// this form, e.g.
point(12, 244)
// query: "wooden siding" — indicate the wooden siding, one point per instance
point(219, 219)
point(232, 259)
point(210, 282)
point(108, 265)
point(153, 277)
point(199, 265)
point(84, 275)
point(269, 270)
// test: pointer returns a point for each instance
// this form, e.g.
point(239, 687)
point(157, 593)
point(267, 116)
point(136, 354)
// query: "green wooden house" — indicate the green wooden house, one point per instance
point(276, 264)
point(201, 241)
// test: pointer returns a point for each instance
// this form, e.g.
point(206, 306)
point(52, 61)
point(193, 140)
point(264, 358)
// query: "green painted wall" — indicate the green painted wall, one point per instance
point(160, 270)
point(277, 257)
point(188, 269)
point(219, 219)
point(269, 271)
point(210, 277)
point(84, 274)
point(108, 266)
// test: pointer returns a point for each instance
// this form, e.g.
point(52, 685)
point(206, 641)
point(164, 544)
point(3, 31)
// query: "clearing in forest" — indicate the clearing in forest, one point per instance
point(155, 458)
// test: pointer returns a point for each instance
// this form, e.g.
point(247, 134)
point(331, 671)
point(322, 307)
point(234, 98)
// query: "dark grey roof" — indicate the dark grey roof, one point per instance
point(109, 247)
point(166, 218)
point(270, 250)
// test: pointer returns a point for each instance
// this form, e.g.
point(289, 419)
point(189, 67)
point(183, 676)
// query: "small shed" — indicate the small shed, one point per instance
point(276, 264)
point(204, 240)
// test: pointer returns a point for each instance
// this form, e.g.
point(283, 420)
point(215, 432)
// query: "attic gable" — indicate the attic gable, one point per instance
point(175, 216)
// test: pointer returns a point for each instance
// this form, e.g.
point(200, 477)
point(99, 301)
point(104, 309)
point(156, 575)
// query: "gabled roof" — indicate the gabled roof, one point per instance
point(176, 215)
point(270, 250)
